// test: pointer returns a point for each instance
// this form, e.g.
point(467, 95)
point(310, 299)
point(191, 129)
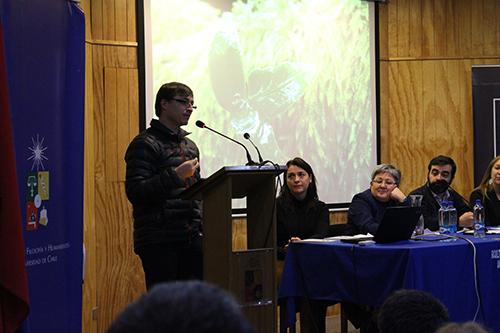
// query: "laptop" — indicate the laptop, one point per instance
point(398, 224)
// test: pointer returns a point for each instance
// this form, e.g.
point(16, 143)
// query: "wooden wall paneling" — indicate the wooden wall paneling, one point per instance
point(413, 133)
point(383, 46)
point(442, 137)
point(90, 269)
point(415, 29)
point(109, 20)
point(392, 28)
point(394, 113)
point(338, 217)
point(439, 24)
point(110, 123)
point(497, 14)
point(465, 100)
point(428, 29)
point(133, 111)
point(123, 119)
point(455, 125)
point(477, 27)
point(98, 92)
point(489, 23)
point(428, 115)
point(464, 21)
point(384, 107)
point(96, 18)
point(452, 28)
point(239, 234)
point(119, 281)
point(121, 26)
point(131, 21)
point(403, 19)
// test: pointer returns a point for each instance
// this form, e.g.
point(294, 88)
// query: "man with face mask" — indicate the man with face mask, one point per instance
point(437, 189)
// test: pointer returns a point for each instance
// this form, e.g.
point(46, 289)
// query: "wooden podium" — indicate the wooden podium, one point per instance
point(250, 274)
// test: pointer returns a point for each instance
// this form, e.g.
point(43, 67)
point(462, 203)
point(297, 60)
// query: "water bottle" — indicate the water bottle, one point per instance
point(420, 227)
point(443, 217)
point(479, 227)
point(452, 217)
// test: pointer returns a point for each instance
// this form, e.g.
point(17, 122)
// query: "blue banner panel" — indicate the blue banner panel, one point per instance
point(486, 109)
point(45, 49)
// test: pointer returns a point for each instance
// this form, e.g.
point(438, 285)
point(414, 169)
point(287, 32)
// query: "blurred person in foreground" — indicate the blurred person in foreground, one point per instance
point(182, 307)
point(411, 311)
point(469, 327)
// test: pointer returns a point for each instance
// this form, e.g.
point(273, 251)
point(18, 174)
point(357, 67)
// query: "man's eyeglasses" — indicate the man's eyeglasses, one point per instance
point(185, 102)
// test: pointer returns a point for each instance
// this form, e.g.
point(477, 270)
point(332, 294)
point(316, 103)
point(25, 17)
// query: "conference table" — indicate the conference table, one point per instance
point(367, 274)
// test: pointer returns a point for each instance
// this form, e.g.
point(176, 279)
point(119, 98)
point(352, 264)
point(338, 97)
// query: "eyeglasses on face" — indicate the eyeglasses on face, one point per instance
point(185, 102)
point(387, 182)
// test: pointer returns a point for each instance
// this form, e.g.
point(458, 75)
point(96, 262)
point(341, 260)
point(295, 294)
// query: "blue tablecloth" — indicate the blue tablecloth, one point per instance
point(367, 274)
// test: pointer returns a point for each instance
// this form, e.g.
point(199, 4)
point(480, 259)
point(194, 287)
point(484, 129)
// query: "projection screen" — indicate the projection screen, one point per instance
point(298, 76)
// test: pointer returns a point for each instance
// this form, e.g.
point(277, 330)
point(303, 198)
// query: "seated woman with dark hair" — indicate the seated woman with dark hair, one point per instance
point(367, 208)
point(488, 192)
point(300, 215)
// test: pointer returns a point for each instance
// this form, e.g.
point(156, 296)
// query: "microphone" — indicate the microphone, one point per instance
point(247, 136)
point(201, 124)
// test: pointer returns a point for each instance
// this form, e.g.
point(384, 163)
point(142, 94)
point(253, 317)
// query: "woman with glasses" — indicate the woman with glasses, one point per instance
point(367, 208)
point(300, 215)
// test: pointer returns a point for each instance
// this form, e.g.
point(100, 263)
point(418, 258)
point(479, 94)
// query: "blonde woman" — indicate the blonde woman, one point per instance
point(488, 192)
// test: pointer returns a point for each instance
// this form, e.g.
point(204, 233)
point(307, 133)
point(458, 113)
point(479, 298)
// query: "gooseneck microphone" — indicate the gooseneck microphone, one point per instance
point(247, 136)
point(201, 124)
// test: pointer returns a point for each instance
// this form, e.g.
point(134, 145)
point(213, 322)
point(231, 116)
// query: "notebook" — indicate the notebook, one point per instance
point(397, 224)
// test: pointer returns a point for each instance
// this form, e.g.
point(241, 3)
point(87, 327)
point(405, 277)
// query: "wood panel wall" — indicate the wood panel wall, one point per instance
point(113, 276)
point(427, 48)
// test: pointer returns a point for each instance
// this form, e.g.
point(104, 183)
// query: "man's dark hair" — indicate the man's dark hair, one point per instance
point(441, 160)
point(169, 91)
point(411, 311)
point(182, 307)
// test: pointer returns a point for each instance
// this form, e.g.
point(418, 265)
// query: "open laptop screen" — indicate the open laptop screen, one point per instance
point(397, 224)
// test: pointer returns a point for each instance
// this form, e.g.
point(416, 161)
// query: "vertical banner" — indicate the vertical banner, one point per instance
point(13, 282)
point(45, 48)
point(486, 109)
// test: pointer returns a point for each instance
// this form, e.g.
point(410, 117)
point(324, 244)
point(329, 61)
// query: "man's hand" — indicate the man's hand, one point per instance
point(187, 168)
point(398, 195)
point(466, 220)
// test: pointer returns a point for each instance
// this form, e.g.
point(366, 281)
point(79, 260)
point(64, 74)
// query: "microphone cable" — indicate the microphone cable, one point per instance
point(476, 276)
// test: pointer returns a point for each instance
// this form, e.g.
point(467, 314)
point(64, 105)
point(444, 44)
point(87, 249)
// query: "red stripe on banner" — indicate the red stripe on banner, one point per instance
point(14, 303)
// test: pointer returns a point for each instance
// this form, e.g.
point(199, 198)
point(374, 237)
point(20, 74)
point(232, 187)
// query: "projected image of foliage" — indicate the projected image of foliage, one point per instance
point(295, 75)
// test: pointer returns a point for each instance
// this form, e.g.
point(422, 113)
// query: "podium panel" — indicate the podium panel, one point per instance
point(249, 275)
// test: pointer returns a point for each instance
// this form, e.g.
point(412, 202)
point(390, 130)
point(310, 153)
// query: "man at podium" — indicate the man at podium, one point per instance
point(161, 163)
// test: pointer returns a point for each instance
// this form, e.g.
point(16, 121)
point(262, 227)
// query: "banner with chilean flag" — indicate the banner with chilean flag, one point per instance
point(45, 67)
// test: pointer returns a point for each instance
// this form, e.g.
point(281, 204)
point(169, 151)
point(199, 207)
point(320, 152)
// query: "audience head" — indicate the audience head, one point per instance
point(491, 176)
point(411, 311)
point(300, 180)
point(384, 179)
point(182, 307)
point(442, 170)
point(169, 92)
point(469, 327)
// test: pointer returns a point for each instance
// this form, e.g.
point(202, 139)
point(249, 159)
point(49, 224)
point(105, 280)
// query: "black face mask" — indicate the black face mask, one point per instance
point(439, 186)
